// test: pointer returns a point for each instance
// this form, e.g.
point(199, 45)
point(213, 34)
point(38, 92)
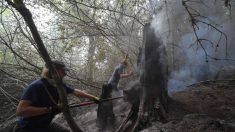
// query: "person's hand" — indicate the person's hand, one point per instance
point(96, 100)
point(55, 109)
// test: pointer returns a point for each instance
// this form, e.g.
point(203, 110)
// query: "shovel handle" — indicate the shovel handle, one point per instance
point(82, 104)
point(92, 102)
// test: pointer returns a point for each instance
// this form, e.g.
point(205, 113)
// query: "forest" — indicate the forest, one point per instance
point(180, 54)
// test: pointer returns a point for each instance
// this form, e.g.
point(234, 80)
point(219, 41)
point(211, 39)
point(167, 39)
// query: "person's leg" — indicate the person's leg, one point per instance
point(55, 127)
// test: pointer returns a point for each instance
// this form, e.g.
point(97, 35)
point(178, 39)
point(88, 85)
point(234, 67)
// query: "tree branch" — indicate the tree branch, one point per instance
point(195, 16)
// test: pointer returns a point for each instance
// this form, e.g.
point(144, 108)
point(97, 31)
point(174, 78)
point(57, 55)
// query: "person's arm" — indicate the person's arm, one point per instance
point(25, 109)
point(126, 74)
point(129, 70)
point(82, 94)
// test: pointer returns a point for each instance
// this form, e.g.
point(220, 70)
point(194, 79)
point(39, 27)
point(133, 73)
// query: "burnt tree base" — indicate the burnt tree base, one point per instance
point(152, 100)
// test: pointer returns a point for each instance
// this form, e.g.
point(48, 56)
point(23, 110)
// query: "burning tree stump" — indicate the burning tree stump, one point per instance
point(152, 100)
point(155, 72)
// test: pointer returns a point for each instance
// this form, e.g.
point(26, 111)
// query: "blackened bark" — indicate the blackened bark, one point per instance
point(155, 72)
point(152, 100)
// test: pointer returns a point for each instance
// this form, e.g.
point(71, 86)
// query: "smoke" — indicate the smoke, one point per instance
point(188, 61)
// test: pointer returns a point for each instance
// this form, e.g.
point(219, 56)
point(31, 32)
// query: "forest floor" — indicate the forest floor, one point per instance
point(9, 98)
point(207, 106)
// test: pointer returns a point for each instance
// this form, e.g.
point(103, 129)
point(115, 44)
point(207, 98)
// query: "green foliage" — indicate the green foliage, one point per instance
point(5, 12)
point(69, 46)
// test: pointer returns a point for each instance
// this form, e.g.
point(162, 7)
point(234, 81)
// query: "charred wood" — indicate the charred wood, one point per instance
point(149, 95)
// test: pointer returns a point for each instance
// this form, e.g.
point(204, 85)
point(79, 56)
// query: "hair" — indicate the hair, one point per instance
point(57, 64)
point(124, 62)
point(45, 73)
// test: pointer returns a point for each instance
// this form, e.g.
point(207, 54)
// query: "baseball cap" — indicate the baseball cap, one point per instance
point(59, 65)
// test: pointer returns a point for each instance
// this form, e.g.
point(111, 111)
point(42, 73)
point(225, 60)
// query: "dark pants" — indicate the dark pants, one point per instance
point(105, 115)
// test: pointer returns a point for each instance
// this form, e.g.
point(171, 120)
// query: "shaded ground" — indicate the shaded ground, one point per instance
point(214, 98)
point(9, 97)
point(203, 107)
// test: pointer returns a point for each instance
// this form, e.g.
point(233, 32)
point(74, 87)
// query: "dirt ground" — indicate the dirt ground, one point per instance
point(214, 98)
point(207, 106)
point(9, 97)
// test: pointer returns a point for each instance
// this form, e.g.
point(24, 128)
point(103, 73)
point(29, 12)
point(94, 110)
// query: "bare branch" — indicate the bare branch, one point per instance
point(195, 16)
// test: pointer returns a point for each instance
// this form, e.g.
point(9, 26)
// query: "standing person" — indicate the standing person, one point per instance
point(119, 73)
point(39, 102)
point(105, 114)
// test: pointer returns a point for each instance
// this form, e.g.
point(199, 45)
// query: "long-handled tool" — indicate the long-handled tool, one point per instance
point(92, 102)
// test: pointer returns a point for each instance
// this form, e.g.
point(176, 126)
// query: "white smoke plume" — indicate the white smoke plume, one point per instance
point(213, 58)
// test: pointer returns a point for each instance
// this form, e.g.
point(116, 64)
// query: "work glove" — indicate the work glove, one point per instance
point(96, 100)
point(55, 109)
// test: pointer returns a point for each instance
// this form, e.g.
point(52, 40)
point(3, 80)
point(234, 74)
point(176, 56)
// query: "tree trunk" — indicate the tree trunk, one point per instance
point(152, 99)
point(90, 60)
point(155, 72)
